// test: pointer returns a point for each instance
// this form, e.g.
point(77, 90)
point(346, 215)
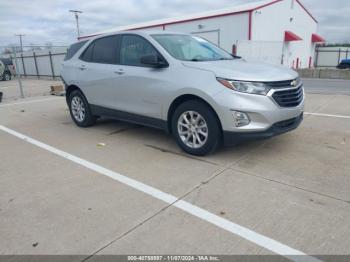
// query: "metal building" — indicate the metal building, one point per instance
point(279, 32)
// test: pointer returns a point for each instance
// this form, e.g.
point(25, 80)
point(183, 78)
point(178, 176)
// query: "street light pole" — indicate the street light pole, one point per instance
point(20, 40)
point(76, 15)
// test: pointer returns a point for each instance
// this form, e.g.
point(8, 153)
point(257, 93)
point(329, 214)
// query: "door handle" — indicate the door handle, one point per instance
point(82, 68)
point(119, 72)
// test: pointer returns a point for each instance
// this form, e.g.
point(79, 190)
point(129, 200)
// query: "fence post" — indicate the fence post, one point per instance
point(36, 65)
point(347, 51)
point(52, 71)
point(24, 67)
point(12, 58)
point(316, 59)
point(19, 74)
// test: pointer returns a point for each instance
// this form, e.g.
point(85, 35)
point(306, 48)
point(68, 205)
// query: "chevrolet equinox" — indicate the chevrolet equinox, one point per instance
point(182, 84)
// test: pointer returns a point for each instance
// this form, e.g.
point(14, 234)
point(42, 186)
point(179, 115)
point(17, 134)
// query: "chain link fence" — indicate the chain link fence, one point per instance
point(330, 57)
point(38, 61)
point(33, 69)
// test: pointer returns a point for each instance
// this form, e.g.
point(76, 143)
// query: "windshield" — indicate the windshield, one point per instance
point(191, 48)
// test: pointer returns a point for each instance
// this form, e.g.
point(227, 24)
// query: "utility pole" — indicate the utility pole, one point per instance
point(20, 40)
point(76, 14)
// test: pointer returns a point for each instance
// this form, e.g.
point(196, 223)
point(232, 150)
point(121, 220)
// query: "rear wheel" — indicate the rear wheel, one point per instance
point(196, 128)
point(80, 110)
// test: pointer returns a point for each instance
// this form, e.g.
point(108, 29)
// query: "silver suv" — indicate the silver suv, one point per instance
point(182, 84)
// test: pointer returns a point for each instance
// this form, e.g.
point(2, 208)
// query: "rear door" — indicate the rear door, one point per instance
point(98, 74)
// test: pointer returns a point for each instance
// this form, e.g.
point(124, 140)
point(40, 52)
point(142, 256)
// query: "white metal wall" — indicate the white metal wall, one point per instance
point(263, 51)
point(223, 30)
point(271, 22)
point(268, 28)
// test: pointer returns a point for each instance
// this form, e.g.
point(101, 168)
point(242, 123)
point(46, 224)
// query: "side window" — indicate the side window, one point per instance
point(73, 49)
point(87, 55)
point(105, 50)
point(133, 48)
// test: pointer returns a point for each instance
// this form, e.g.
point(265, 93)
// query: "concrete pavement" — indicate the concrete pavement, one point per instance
point(293, 188)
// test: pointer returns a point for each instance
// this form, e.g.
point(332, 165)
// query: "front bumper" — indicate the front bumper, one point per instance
point(263, 111)
point(231, 138)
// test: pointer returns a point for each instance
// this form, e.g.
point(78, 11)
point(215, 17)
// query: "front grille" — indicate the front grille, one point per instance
point(279, 84)
point(289, 98)
point(286, 123)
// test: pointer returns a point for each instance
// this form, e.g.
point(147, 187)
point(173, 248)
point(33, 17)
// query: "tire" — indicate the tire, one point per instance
point(79, 109)
point(204, 121)
point(7, 76)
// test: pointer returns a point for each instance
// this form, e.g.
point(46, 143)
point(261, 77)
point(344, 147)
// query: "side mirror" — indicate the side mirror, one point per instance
point(153, 61)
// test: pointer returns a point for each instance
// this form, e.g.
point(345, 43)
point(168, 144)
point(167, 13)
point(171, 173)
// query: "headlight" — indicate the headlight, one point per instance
point(245, 87)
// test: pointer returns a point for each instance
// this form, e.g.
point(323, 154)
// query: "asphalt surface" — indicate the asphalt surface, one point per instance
point(327, 86)
point(118, 188)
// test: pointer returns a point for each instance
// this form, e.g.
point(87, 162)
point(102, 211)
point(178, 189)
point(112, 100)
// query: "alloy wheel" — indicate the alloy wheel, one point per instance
point(78, 109)
point(192, 129)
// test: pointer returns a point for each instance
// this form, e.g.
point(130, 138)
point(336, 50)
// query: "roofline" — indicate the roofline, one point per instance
point(307, 11)
point(208, 17)
point(194, 19)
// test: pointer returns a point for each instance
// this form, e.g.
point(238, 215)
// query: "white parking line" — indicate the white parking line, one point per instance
point(29, 101)
point(198, 212)
point(327, 115)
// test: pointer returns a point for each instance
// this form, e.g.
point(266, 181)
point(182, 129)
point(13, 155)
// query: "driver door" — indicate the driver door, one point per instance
point(140, 87)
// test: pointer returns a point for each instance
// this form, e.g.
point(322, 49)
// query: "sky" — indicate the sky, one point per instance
point(43, 21)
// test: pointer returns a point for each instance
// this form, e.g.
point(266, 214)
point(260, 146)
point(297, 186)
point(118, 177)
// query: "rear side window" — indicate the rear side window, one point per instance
point(104, 51)
point(73, 49)
point(6, 61)
point(87, 55)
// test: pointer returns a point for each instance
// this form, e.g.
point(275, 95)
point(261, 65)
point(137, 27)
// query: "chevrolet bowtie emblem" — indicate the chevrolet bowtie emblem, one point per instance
point(294, 83)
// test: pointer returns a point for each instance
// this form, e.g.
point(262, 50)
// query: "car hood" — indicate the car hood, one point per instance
point(239, 69)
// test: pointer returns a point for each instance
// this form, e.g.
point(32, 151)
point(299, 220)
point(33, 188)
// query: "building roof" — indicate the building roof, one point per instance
point(205, 15)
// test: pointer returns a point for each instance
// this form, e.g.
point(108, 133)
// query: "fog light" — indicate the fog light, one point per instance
point(240, 118)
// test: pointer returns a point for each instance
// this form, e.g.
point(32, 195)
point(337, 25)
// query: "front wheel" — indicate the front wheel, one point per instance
point(80, 110)
point(6, 76)
point(196, 128)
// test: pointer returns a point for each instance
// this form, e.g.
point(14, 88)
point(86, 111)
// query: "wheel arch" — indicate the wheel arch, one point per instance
point(70, 89)
point(181, 99)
